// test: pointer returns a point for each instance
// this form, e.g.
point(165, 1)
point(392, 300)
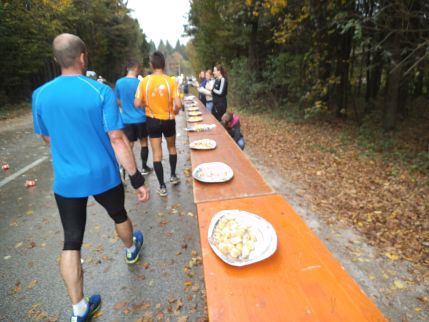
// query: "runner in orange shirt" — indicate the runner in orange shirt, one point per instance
point(159, 94)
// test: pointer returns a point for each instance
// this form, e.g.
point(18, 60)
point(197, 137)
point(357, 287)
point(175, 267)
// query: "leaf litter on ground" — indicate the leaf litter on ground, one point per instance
point(382, 199)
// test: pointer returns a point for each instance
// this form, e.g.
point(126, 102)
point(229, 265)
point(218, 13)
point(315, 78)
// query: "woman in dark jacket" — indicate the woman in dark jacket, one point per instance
point(220, 90)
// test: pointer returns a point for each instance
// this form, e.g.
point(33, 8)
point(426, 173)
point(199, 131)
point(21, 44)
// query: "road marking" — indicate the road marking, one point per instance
point(23, 170)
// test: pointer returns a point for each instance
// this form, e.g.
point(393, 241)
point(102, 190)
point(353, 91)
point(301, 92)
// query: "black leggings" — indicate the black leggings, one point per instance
point(73, 214)
point(219, 109)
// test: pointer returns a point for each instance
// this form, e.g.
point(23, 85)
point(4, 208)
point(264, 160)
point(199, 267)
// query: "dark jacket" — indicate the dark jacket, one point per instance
point(234, 128)
point(220, 90)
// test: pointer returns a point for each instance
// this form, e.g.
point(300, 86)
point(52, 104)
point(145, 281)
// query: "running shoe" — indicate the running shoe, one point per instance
point(146, 170)
point(174, 180)
point(94, 304)
point(162, 191)
point(133, 257)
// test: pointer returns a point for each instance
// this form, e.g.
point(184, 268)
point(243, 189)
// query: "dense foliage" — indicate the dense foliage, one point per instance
point(28, 27)
point(349, 57)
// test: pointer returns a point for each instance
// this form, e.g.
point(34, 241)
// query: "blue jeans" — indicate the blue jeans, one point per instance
point(209, 105)
point(241, 143)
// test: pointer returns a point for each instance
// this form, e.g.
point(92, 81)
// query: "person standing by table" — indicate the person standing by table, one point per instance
point(207, 90)
point(134, 118)
point(79, 119)
point(203, 81)
point(158, 93)
point(220, 91)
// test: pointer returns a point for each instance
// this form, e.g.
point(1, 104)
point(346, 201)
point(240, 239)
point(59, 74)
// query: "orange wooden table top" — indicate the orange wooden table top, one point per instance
point(302, 281)
point(246, 180)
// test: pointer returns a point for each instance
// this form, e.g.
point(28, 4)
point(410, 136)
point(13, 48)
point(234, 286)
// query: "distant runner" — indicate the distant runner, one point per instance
point(134, 118)
point(159, 94)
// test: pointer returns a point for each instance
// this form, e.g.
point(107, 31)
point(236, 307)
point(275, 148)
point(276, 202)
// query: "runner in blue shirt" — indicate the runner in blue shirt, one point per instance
point(133, 118)
point(79, 119)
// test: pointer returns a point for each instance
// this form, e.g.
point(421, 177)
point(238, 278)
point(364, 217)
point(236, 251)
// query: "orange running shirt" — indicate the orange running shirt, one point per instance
point(158, 92)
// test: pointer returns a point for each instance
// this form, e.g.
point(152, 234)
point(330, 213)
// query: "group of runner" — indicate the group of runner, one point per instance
point(90, 128)
point(148, 108)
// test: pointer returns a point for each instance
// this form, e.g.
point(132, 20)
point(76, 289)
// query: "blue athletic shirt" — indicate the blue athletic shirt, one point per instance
point(76, 112)
point(125, 90)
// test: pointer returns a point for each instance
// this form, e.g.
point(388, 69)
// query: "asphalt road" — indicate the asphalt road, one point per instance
point(166, 285)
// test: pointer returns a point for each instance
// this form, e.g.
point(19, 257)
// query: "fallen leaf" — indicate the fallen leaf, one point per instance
point(146, 265)
point(120, 305)
point(179, 305)
point(393, 257)
point(195, 288)
point(32, 284)
point(97, 314)
point(18, 245)
point(188, 283)
point(398, 284)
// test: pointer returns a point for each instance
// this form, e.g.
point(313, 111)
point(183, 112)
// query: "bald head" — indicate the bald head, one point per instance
point(67, 49)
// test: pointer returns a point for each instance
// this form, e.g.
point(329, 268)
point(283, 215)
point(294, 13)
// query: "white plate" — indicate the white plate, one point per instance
point(193, 108)
point(203, 144)
point(266, 243)
point(192, 119)
point(213, 172)
point(200, 127)
point(194, 113)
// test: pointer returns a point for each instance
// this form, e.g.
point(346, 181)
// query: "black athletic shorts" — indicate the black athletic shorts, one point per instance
point(156, 128)
point(73, 213)
point(135, 131)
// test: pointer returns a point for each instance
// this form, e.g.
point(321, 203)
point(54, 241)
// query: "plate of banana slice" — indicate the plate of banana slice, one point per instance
point(194, 113)
point(192, 108)
point(192, 119)
point(241, 238)
point(213, 172)
point(203, 144)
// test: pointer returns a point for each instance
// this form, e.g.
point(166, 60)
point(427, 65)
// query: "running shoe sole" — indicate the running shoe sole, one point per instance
point(174, 181)
point(162, 192)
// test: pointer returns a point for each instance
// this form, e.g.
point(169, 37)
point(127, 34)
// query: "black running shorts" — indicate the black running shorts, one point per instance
point(156, 128)
point(135, 131)
point(73, 214)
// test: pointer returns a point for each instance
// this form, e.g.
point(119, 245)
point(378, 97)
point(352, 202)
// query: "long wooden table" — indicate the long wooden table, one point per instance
point(302, 281)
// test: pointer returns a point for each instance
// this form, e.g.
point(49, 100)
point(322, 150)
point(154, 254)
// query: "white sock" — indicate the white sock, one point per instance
point(79, 309)
point(132, 248)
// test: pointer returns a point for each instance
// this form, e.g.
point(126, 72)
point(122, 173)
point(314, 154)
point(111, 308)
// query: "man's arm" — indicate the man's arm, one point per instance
point(177, 105)
point(125, 155)
point(46, 139)
point(139, 102)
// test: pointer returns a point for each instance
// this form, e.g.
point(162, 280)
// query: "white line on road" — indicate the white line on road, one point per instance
point(17, 174)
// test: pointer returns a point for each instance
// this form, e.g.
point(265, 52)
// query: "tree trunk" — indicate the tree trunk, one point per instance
point(392, 104)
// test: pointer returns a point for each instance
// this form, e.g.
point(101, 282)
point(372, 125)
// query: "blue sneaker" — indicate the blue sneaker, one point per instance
point(94, 304)
point(133, 257)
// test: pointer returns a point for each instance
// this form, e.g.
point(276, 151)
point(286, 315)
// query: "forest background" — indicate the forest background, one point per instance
point(112, 36)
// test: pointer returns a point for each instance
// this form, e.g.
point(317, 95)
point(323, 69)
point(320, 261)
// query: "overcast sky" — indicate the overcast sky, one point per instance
point(161, 19)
